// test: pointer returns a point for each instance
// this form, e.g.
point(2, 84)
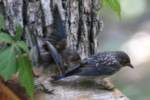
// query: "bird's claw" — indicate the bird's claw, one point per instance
point(106, 84)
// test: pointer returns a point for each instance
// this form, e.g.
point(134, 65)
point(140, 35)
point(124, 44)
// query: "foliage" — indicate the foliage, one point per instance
point(14, 58)
point(114, 5)
point(8, 62)
point(26, 78)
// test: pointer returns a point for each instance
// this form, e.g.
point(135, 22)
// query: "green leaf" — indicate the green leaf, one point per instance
point(22, 45)
point(2, 23)
point(5, 38)
point(114, 5)
point(19, 31)
point(25, 74)
point(8, 62)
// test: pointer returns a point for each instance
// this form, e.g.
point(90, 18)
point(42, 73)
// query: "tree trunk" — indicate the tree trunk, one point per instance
point(83, 24)
point(36, 17)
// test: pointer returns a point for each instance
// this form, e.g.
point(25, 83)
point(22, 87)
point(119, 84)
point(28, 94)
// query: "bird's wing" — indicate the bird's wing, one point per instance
point(108, 69)
point(56, 56)
point(87, 68)
point(59, 33)
point(70, 72)
point(89, 61)
point(98, 66)
point(73, 70)
point(87, 71)
point(97, 71)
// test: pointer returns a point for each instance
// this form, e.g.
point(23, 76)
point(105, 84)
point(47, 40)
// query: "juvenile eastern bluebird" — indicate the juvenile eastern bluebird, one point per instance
point(55, 41)
point(103, 64)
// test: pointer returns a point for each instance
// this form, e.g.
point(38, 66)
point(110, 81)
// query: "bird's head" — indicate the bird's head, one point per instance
point(123, 59)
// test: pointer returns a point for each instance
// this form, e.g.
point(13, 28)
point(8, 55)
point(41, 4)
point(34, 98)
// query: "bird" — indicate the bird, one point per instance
point(102, 64)
point(56, 44)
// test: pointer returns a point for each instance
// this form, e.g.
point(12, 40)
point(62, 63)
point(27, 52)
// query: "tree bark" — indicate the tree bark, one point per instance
point(83, 24)
point(36, 17)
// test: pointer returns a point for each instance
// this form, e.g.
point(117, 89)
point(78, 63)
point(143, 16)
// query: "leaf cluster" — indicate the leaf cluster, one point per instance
point(14, 59)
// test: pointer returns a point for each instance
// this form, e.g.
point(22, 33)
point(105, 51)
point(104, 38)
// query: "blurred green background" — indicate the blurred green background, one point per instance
point(131, 34)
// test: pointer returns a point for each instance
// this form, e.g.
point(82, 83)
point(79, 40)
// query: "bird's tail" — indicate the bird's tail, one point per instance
point(56, 56)
point(68, 73)
point(58, 77)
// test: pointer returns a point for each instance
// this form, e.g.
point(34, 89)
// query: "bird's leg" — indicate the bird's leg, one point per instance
point(106, 84)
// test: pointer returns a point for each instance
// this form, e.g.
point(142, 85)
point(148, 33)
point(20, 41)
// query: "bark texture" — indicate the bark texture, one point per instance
point(83, 24)
point(36, 16)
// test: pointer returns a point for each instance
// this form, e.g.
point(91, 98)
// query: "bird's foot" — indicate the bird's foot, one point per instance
point(106, 84)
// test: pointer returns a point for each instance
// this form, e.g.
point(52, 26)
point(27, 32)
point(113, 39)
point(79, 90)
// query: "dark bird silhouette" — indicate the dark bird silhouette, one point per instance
point(54, 42)
point(58, 35)
point(103, 64)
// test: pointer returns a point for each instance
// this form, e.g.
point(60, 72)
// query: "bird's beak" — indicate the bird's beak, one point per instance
point(130, 66)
